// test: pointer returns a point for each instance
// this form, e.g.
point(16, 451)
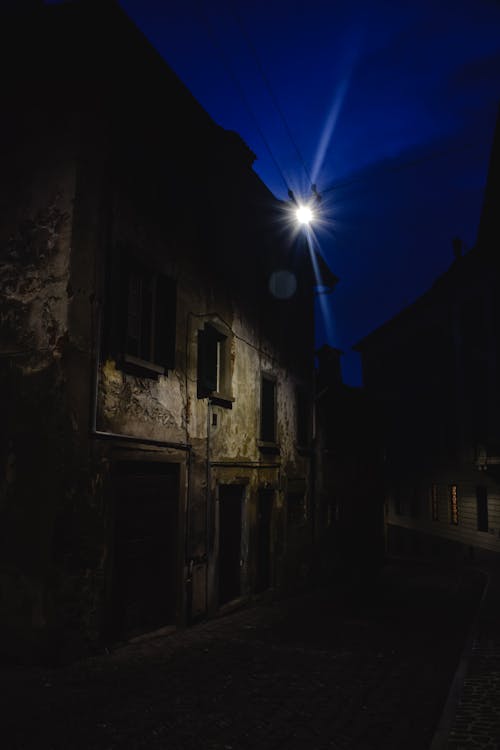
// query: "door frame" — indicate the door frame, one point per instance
point(243, 485)
point(115, 455)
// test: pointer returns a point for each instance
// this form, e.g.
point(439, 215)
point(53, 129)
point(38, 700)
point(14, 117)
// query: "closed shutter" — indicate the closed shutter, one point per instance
point(207, 361)
point(268, 410)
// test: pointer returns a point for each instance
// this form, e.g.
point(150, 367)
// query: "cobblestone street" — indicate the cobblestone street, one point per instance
point(477, 718)
point(332, 669)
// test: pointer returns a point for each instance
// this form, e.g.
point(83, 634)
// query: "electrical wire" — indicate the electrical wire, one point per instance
point(270, 89)
point(237, 85)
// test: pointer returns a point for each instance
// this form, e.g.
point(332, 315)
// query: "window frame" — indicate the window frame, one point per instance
point(156, 319)
point(214, 370)
point(264, 441)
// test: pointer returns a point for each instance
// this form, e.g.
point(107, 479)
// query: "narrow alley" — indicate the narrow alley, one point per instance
point(343, 667)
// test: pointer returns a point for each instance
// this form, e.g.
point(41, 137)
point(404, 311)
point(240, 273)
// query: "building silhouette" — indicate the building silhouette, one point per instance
point(434, 371)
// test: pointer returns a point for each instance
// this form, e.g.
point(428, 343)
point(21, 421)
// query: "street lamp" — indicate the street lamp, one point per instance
point(304, 212)
point(304, 215)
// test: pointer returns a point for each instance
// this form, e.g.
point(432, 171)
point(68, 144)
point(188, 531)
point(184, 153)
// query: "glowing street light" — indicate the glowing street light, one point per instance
point(304, 215)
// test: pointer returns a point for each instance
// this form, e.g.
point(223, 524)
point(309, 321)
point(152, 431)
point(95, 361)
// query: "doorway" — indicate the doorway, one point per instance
point(265, 500)
point(144, 580)
point(230, 523)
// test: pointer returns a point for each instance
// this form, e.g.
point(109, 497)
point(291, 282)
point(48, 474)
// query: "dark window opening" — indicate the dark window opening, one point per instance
point(147, 319)
point(213, 365)
point(482, 508)
point(268, 410)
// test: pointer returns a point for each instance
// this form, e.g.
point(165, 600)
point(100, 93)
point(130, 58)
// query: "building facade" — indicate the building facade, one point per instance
point(157, 347)
point(434, 370)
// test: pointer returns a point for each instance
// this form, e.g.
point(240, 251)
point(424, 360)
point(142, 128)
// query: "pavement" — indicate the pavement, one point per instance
point(472, 717)
point(339, 668)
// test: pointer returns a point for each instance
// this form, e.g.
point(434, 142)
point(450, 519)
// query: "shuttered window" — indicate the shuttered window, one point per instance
point(146, 319)
point(213, 375)
point(268, 410)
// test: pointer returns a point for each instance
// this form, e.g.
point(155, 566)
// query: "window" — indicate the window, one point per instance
point(147, 319)
point(214, 367)
point(453, 504)
point(302, 417)
point(268, 409)
point(482, 508)
point(434, 503)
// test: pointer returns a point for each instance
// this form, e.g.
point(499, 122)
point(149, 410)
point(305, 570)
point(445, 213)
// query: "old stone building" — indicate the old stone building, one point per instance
point(434, 370)
point(156, 351)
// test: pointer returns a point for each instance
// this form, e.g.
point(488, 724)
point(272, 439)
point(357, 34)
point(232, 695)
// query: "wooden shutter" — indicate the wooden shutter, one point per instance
point(268, 410)
point(207, 361)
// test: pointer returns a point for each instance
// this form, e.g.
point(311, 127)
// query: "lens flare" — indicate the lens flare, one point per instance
point(282, 284)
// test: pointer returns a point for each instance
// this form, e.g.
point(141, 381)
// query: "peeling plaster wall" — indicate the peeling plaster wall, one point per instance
point(36, 195)
point(34, 272)
point(140, 406)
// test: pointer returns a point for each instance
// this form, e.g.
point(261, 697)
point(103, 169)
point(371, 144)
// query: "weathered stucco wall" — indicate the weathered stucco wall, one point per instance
point(140, 406)
point(37, 191)
point(225, 438)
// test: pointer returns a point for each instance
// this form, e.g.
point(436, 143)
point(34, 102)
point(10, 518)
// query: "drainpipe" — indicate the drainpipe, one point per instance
point(208, 508)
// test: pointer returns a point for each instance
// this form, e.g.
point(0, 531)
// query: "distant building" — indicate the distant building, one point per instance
point(349, 477)
point(435, 371)
point(157, 347)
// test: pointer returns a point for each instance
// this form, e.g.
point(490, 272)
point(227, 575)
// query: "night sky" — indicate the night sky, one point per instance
point(394, 103)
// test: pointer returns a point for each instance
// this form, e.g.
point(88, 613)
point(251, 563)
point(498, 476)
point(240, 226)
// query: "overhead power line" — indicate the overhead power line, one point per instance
point(270, 89)
point(225, 62)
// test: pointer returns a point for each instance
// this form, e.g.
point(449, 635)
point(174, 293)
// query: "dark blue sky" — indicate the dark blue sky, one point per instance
point(366, 88)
